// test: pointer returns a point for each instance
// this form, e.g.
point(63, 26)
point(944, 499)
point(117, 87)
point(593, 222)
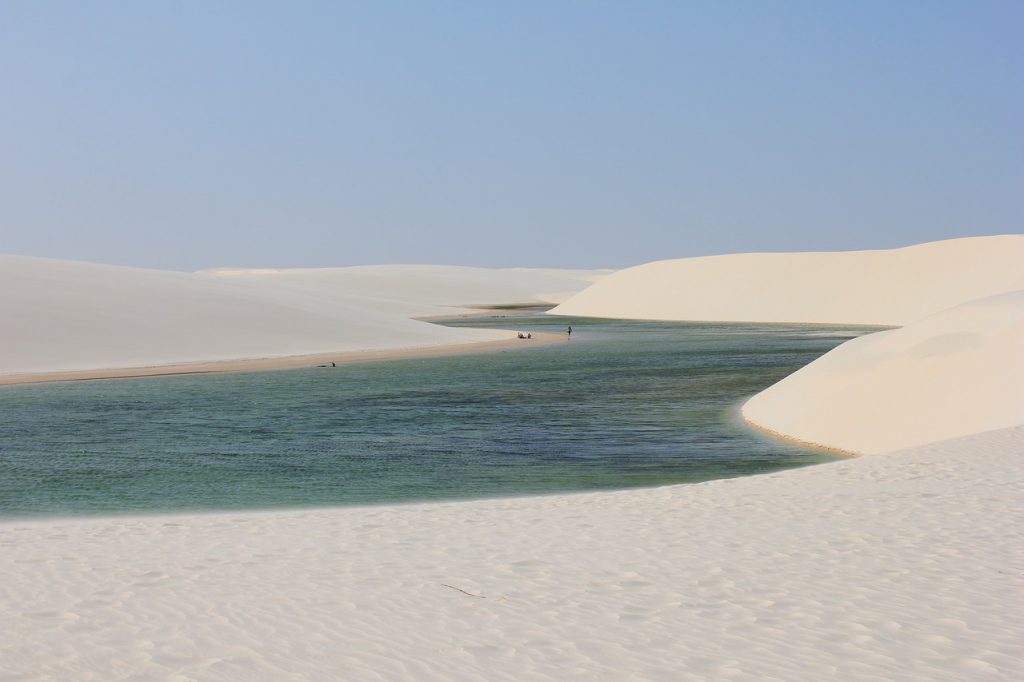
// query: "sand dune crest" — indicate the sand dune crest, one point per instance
point(884, 287)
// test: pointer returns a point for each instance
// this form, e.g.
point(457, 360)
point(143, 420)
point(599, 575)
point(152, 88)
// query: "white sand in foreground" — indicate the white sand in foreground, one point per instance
point(895, 567)
point(958, 372)
point(885, 287)
point(66, 316)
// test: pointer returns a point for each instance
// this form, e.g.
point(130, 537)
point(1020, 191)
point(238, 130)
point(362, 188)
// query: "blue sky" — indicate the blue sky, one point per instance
point(184, 135)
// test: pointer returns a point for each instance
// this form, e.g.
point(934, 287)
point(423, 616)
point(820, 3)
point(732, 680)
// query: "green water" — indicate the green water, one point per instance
point(622, 404)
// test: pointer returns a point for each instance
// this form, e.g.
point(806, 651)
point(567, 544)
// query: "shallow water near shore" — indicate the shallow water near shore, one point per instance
point(622, 404)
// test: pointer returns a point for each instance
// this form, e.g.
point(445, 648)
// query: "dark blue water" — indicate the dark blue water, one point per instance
point(622, 404)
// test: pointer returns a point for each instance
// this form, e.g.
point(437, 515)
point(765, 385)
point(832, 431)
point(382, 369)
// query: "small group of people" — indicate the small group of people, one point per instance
point(528, 335)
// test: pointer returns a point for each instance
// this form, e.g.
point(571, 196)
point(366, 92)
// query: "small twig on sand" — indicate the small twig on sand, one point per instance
point(478, 596)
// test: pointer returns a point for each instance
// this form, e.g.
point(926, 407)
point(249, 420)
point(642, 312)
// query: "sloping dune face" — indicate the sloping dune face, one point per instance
point(957, 368)
point(883, 287)
point(955, 373)
point(65, 315)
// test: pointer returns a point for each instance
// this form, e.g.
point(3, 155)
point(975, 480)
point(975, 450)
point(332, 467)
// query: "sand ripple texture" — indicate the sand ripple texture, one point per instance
point(903, 566)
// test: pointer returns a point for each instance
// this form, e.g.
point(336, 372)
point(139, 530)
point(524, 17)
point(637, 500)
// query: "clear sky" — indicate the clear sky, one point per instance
point(185, 135)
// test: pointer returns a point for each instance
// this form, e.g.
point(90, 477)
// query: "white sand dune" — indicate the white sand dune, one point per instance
point(64, 315)
point(885, 287)
point(957, 372)
point(903, 566)
point(957, 369)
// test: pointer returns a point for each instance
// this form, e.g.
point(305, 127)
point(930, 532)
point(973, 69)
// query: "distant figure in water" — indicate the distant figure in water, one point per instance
point(331, 365)
point(520, 336)
point(569, 332)
point(529, 336)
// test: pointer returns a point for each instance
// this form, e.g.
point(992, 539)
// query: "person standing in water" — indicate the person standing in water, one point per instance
point(568, 332)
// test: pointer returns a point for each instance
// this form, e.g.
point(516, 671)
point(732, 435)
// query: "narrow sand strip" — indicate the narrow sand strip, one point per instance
point(289, 362)
point(903, 566)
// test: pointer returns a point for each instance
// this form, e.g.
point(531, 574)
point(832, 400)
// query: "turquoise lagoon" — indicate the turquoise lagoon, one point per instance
point(623, 404)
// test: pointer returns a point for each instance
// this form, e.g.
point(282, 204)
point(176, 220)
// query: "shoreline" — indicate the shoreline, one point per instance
point(778, 435)
point(280, 363)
